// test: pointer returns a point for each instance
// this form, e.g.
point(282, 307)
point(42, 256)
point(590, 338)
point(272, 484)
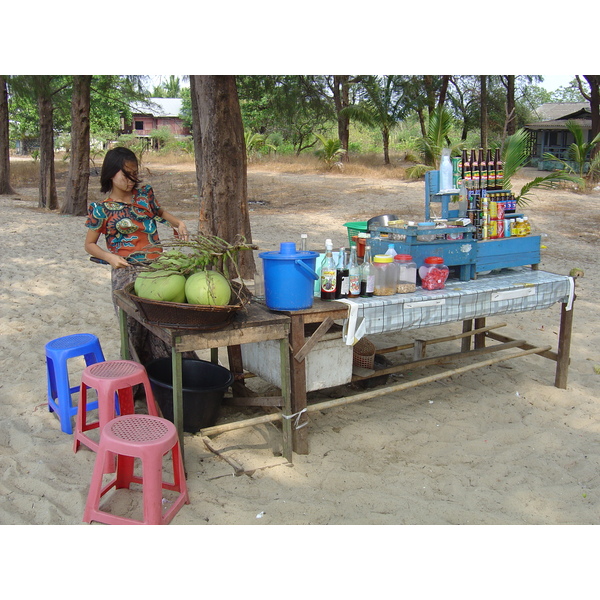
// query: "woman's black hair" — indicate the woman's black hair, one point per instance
point(114, 161)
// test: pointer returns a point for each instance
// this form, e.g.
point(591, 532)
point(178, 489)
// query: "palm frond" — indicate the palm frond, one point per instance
point(515, 157)
point(545, 182)
point(418, 171)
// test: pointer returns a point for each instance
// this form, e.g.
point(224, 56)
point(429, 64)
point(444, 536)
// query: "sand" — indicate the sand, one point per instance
point(496, 446)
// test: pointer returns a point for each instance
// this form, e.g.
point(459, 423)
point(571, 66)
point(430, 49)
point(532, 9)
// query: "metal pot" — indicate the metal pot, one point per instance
point(380, 221)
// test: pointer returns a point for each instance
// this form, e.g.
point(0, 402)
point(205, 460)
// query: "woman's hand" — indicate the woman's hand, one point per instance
point(116, 261)
point(182, 231)
point(179, 228)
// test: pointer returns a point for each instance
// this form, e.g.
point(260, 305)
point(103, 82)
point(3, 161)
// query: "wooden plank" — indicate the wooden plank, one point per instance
point(525, 345)
point(479, 337)
point(508, 252)
point(466, 334)
point(298, 383)
point(384, 391)
point(438, 360)
point(192, 340)
point(314, 339)
point(286, 392)
point(564, 347)
point(467, 328)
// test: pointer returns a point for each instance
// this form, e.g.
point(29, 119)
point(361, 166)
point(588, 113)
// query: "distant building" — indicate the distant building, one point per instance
point(155, 114)
point(550, 133)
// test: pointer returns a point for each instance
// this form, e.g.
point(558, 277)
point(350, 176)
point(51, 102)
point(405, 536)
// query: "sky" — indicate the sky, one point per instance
point(553, 82)
point(550, 83)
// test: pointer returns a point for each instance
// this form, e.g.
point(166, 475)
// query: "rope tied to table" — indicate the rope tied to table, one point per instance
point(297, 417)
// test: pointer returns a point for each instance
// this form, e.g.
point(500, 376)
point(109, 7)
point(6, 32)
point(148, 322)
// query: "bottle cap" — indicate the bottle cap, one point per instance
point(434, 260)
point(404, 257)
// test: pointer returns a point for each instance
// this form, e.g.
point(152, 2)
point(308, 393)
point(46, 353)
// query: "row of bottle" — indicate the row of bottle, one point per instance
point(382, 275)
point(346, 278)
point(479, 170)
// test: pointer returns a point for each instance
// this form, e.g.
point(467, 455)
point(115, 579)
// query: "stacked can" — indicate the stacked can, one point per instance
point(497, 209)
point(475, 212)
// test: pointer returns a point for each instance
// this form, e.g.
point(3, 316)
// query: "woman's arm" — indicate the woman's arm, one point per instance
point(91, 247)
point(175, 222)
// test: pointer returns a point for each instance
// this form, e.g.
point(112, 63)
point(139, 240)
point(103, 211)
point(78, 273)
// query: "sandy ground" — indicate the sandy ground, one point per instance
point(500, 445)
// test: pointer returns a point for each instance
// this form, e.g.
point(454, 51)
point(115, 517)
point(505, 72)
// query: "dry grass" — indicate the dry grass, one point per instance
point(362, 165)
point(24, 171)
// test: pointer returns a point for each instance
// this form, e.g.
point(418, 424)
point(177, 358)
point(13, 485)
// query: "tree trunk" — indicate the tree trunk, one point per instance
point(341, 99)
point(48, 197)
point(510, 105)
point(224, 191)
point(429, 93)
point(76, 194)
point(594, 99)
point(444, 90)
point(422, 122)
point(483, 104)
point(5, 187)
point(386, 146)
point(197, 134)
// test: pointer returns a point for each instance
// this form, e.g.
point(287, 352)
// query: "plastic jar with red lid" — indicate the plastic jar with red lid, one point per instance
point(407, 273)
point(433, 273)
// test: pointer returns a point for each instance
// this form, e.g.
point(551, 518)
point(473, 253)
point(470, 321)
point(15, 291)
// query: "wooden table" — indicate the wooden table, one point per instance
point(298, 332)
point(252, 324)
point(470, 302)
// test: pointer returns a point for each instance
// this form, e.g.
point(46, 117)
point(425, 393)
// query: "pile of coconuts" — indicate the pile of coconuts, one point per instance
point(193, 272)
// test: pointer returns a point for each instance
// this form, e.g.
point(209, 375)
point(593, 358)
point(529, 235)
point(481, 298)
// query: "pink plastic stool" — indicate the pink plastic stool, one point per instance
point(149, 439)
point(109, 378)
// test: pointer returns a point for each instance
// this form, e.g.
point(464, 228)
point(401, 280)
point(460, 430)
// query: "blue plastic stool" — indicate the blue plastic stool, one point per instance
point(58, 351)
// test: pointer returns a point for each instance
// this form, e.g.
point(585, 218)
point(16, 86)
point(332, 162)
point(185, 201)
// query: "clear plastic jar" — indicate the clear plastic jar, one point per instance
point(426, 237)
point(433, 273)
point(450, 235)
point(385, 275)
point(406, 270)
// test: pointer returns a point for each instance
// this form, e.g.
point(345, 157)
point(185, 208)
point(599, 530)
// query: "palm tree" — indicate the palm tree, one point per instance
point(382, 106)
point(430, 146)
point(332, 152)
point(579, 153)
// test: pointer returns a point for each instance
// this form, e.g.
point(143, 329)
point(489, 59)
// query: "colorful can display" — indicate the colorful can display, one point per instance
point(501, 209)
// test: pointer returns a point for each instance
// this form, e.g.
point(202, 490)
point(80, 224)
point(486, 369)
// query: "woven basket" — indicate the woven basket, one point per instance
point(190, 316)
point(363, 354)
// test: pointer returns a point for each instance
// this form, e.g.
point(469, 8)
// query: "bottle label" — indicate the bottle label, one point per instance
point(354, 285)
point(345, 288)
point(370, 284)
point(328, 281)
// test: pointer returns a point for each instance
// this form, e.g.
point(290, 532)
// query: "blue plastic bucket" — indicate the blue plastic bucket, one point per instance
point(289, 277)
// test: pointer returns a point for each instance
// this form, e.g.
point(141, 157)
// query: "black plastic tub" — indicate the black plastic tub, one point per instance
point(204, 386)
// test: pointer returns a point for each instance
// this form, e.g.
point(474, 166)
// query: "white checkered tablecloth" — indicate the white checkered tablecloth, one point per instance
point(510, 291)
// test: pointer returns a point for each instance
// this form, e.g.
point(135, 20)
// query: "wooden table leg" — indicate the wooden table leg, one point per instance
point(298, 385)
point(177, 364)
point(236, 366)
point(465, 344)
point(286, 408)
point(125, 354)
point(479, 337)
point(564, 347)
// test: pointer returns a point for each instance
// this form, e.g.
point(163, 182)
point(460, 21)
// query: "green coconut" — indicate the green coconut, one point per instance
point(161, 286)
point(207, 288)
